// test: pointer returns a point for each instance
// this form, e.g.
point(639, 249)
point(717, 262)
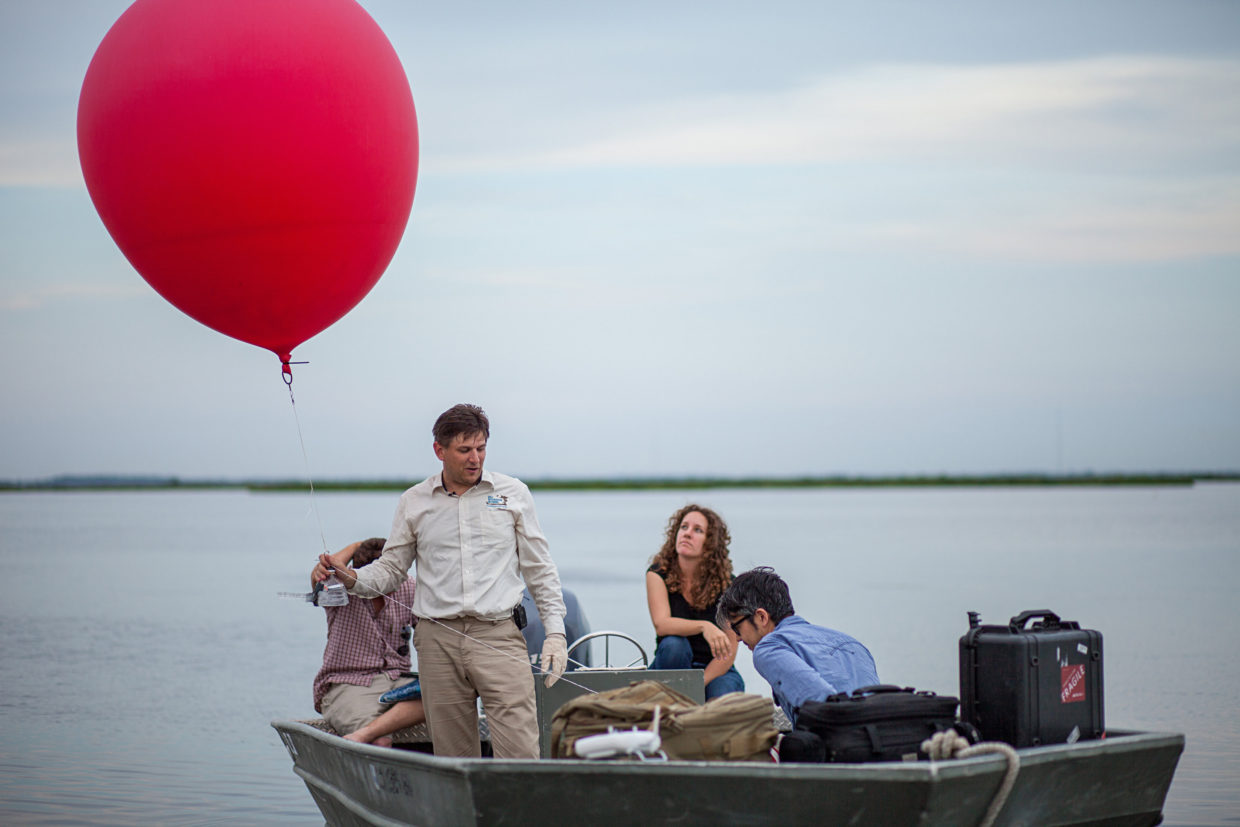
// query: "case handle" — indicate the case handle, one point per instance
point(861, 692)
point(1018, 623)
point(879, 689)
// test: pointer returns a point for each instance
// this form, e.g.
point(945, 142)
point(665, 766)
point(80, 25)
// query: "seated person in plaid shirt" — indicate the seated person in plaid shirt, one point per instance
point(365, 656)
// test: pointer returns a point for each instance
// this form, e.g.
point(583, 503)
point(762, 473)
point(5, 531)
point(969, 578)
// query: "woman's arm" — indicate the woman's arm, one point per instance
point(665, 624)
point(719, 665)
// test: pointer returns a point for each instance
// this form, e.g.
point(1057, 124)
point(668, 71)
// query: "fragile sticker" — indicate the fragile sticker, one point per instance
point(1072, 683)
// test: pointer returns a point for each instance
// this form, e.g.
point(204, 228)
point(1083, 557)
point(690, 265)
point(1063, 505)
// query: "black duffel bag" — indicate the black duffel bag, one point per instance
point(878, 723)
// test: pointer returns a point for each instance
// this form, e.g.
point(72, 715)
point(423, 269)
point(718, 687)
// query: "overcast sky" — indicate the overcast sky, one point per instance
point(681, 239)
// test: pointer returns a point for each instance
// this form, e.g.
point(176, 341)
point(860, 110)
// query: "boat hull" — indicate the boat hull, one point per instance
point(1122, 780)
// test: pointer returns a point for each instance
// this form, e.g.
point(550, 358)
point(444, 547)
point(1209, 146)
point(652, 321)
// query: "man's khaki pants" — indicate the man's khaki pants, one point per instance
point(458, 663)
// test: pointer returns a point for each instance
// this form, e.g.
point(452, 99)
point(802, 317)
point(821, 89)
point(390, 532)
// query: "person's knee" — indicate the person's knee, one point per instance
point(673, 652)
point(348, 714)
point(727, 683)
point(412, 711)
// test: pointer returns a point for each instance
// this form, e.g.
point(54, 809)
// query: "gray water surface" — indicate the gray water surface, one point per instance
point(143, 650)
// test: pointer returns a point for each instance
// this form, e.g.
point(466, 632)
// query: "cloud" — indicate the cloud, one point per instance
point(1137, 109)
point(39, 163)
point(1120, 158)
point(1118, 221)
point(34, 299)
point(1109, 159)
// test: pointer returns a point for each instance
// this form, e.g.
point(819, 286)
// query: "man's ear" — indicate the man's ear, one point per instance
point(762, 618)
point(438, 451)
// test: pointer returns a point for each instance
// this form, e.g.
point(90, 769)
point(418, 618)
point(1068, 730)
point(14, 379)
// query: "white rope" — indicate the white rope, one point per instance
point(538, 667)
point(950, 744)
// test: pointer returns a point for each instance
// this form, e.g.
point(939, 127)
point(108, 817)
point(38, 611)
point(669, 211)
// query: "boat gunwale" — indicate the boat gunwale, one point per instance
point(912, 771)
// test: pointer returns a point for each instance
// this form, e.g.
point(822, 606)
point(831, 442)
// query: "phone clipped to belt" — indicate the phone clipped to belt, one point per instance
point(518, 615)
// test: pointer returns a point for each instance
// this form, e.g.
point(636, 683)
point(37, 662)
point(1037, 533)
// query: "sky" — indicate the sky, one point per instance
point(670, 239)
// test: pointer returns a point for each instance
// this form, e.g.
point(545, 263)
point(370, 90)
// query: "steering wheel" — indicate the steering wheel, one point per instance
point(606, 638)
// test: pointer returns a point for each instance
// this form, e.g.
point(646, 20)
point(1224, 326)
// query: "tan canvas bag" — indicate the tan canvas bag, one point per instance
point(736, 727)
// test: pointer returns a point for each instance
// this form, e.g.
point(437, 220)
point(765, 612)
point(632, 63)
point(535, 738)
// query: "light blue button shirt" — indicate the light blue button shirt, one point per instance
point(804, 662)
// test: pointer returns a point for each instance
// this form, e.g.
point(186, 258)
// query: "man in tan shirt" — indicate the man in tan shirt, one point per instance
point(475, 540)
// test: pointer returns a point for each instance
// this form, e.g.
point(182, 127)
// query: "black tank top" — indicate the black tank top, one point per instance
point(680, 608)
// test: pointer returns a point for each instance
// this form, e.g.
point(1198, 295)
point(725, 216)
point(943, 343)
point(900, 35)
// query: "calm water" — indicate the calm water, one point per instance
point(144, 651)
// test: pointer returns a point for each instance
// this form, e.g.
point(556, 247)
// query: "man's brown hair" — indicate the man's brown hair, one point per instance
point(460, 420)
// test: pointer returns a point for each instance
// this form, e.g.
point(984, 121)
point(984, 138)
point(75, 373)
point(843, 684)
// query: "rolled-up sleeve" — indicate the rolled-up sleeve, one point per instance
point(391, 569)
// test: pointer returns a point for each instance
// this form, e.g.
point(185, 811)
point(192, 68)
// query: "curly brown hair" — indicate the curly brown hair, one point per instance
point(714, 573)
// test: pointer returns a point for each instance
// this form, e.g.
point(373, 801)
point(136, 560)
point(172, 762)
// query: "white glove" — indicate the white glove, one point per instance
point(554, 657)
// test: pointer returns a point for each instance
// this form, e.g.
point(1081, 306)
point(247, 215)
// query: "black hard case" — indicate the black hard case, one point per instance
point(876, 723)
point(1041, 685)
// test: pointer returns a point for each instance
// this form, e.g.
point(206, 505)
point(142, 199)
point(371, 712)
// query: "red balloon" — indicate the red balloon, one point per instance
point(255, 160)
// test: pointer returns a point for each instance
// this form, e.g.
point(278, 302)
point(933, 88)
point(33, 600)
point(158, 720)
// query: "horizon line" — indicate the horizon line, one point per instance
point(104, 482)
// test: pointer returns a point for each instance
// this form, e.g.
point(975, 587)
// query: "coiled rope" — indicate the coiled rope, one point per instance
point(950, 744)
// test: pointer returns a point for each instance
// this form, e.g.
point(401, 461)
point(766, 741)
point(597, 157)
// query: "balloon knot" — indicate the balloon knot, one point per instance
point(286, 369)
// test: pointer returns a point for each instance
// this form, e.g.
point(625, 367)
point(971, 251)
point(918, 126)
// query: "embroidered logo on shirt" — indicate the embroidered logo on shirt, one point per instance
point(497, 501)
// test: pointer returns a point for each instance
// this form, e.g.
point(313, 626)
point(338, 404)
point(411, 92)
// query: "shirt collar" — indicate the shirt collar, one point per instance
point(487, 479)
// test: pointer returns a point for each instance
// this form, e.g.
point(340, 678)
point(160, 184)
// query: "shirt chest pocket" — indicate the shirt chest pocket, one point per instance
point(497, 528)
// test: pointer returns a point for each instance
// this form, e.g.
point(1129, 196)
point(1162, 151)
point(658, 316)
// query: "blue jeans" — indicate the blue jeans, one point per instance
point(674, 652)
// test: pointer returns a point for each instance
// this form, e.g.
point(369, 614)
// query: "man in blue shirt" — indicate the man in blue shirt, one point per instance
point(801, 661)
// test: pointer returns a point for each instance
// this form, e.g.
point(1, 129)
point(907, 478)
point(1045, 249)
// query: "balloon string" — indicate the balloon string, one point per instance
point(287, 374)
point(288, 380)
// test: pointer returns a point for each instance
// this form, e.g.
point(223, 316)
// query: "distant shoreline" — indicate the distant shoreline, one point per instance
point(153, 483)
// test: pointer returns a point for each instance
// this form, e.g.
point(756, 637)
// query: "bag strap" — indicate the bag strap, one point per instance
point(863, 691)
point(876, 743)
point(880, 689)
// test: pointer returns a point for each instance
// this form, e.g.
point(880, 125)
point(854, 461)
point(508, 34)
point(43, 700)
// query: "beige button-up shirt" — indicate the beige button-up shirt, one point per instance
point(473, 553)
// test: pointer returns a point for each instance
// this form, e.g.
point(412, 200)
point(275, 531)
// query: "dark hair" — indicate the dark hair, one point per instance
point(759, 588)
point(458, 420)
point(714, 572)
point(368, 551)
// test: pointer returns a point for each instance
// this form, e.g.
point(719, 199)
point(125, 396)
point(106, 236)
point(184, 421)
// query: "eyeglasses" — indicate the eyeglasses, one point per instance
point(735, 623)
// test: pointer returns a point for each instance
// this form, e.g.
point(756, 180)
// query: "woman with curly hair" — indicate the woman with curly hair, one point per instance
point(683, 583)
